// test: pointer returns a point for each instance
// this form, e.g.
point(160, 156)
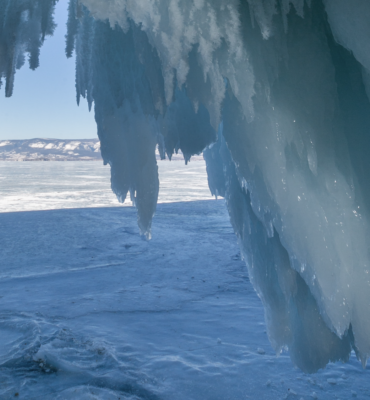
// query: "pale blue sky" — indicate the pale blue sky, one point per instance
point(44, 102)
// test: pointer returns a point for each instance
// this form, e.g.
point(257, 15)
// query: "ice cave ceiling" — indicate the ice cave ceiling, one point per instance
point(277, 92)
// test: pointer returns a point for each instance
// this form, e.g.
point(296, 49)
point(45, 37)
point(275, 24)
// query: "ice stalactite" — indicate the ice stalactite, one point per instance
point(23, 27)
point(291, 312)
point(110, 74)
point(301, 166)
point(119, 71)
point(295, 115)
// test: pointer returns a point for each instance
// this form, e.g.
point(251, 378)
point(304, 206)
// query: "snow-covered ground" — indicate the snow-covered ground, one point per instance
point(89, 310)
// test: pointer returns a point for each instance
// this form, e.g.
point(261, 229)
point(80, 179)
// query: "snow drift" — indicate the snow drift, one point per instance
point(283, 88)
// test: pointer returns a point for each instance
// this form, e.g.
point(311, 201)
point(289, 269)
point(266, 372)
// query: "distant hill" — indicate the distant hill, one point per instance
point(50, 150)
point(58, 150)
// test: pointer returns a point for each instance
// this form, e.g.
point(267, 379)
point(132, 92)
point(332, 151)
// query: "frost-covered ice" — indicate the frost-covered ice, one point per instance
point(31, 186)
point(282, 87)
point(88, 310)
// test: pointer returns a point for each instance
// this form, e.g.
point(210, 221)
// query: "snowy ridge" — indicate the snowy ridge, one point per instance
point(60, 150)
point(94, 322)
point(50, 150)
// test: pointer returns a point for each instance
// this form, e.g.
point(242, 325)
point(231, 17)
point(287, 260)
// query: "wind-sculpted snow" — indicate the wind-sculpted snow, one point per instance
point(286, 85)
point(23, 27)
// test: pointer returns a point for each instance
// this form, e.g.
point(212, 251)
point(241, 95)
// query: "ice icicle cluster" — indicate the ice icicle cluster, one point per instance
point(119, 71)
point(292, 314)
point(300, 204)
point(23, 27)
point(198, 44)
point(292, 102)
point(283, 86)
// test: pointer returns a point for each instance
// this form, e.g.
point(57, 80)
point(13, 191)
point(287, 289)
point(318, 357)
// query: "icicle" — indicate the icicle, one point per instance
point(23, 27)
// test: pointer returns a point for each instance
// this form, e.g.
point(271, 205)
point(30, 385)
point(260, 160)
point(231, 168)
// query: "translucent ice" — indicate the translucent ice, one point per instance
point(295, 117)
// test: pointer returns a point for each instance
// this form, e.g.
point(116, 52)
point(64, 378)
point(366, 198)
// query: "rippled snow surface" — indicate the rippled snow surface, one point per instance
point(89, 310)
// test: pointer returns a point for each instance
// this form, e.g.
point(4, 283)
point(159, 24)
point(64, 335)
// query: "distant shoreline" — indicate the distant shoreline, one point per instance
point(193, 159)
point(61, 150)
point(49, 160)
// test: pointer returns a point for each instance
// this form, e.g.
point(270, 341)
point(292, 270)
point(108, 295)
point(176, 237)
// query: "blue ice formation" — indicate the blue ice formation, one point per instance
point(23, 27)
point(278, 92)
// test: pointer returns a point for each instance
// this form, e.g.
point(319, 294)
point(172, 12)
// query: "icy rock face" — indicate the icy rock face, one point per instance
point(23, 27)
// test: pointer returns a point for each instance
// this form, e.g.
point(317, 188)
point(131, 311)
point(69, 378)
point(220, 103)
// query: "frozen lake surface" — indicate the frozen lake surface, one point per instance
point(88, 310)
point(32, 185)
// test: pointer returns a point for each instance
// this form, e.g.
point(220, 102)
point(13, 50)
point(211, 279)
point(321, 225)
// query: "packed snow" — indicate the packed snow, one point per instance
point(89, 310)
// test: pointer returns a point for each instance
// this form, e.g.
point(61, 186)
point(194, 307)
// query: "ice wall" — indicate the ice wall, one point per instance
point(286, 82)
point(283, 86)
point(23, 27)
point(292, 315)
